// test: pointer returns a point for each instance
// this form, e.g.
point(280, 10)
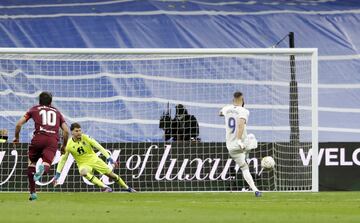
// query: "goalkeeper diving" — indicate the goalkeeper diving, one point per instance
point(80, 146)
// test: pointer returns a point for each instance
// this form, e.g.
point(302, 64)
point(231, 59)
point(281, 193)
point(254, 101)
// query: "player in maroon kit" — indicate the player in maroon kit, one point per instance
point(45, 140)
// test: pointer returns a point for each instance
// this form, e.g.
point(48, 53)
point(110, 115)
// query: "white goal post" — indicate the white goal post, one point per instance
point(119, 95)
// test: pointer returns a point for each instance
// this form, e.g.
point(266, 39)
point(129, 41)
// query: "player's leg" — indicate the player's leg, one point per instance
point(86, 171)
point(240, 159)
point(48, 154)
point(101, 167)
point(30, 173)
point(116, 178)
point(33, 154)
point(48, 157)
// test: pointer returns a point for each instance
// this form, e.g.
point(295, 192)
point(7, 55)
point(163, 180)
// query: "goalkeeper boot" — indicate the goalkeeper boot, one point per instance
point(39, 173)
point(258, 194)
point(107, 190)
point(131, 190)
point(33, 197)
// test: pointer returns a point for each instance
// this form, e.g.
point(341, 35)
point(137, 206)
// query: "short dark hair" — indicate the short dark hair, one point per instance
point(238, 94)
point(75, 125)
point(45, 98)
point(181, 110)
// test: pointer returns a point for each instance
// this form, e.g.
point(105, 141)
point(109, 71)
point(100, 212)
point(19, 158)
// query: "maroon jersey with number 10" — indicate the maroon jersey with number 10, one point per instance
point(47, 120)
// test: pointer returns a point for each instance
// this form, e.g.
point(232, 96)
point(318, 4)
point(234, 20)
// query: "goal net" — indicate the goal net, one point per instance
point(156, 111)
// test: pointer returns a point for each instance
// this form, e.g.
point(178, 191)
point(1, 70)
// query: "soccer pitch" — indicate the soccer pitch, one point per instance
point(181, 207)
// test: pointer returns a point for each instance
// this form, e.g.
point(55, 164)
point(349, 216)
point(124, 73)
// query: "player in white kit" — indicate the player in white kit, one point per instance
point(238, 142)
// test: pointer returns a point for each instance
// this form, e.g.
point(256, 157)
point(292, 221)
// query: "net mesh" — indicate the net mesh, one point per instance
point(120, 99)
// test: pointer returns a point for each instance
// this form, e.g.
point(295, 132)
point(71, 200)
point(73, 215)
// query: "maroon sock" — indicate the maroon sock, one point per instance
point(30, 172)
point(46, 169)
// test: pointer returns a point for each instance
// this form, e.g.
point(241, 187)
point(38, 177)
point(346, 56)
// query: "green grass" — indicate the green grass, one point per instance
point(181, 207)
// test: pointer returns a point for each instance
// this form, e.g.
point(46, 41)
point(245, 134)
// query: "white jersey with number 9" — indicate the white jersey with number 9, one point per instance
point(232, 114)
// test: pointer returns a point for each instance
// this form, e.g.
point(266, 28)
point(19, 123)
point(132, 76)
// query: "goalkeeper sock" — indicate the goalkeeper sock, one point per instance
point(93, 179)
point(248, 178)
point(120, 181)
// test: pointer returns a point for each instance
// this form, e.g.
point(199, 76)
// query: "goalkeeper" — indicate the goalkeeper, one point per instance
point(81, 148)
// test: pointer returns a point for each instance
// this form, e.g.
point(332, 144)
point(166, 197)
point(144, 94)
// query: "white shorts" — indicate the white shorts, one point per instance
point(239, 156)
point(236, 153)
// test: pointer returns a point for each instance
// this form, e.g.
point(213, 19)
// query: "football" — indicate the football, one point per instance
point(267, 162)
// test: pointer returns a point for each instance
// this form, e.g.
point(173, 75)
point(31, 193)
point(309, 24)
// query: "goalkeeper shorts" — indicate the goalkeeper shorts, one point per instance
point(97, 165)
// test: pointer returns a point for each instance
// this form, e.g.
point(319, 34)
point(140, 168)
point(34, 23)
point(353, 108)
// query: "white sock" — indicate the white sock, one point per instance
point(248, 178)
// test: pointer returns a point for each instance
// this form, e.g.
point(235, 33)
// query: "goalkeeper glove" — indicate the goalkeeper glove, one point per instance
point(111, 161)
point(56, 177)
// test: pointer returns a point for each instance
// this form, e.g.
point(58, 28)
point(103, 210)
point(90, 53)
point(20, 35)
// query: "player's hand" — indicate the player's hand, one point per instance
point(62, 149)
point(56, 178)
point(241, 144)
point(16, 140)
point(111, 161)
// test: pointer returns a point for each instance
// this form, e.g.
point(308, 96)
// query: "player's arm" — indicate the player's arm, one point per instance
point(65, 130)
point(221, 112)
point(240, 127)
point(62, 162)
point(97, 145)
point(18, 126)
point(240, 130)
point(60, 167)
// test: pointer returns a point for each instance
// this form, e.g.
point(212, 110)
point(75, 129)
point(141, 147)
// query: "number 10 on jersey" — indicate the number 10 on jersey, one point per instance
point(48, 117)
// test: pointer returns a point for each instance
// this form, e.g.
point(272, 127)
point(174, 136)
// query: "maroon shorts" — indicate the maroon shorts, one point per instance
point(44, 147)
